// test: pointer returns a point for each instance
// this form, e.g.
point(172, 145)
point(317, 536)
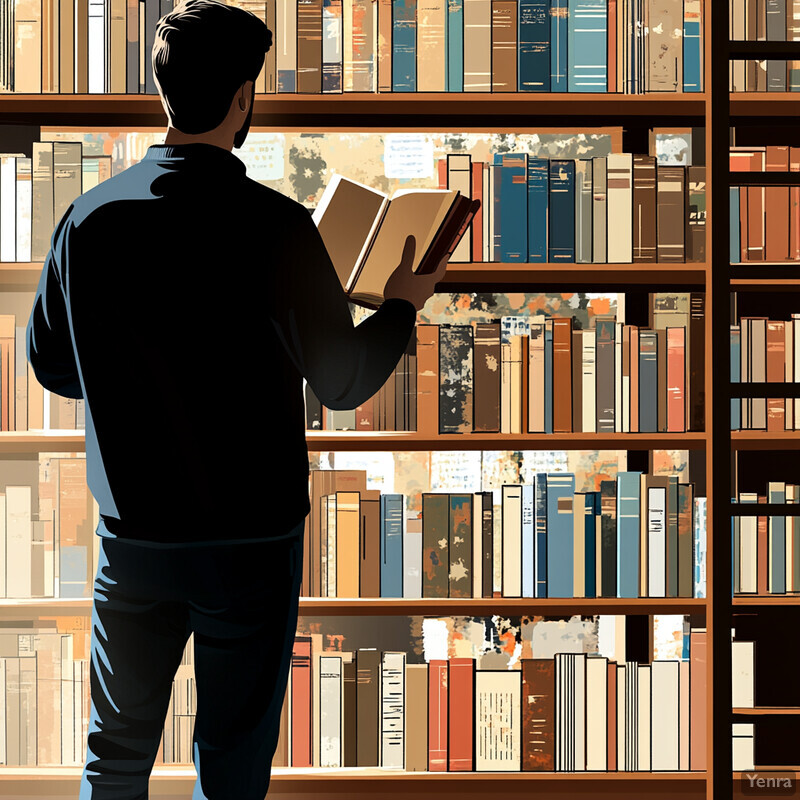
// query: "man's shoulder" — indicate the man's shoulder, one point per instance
point(279, 203)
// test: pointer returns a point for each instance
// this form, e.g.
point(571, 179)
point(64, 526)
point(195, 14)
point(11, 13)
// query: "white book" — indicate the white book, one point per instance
point(628, 717)
point(665, 689)
point(618, 396)
point(570, 682)
point(392, 710)
point(19, 530)
point(24, 208)
point(8, 208)
point(743, 746)
point(748, 558)
point(316, 653)
point(536, 375)
point(588, 395)
point(497, 720)
point(412, 558)
point(97, 46)
point(3, 547)
point(477, 545)
point(331, 561)
point(643, 718)
point(69, 745)
point(657, 541)
point(3, 714)
point(644, 543)
point(487, 251)
point(599, 222)
point(489, 208)
point(743, 660)
point(512, 541)
point(529, 529)
point(331, 694)
point(620, 207)
point(597, 713)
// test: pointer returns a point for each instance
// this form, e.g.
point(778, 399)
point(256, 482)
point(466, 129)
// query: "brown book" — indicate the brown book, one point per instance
point(309, 46)
point(460, 531)
point(67, 176)
point(370, 576)
point(670, 222)
point(389, 420)
point(350, 715)
point(504, 45)
point(644, 209)
point(698, 683)
point(368, 689)
point(428, 379)
point(776, 208)
point(577, 381)
point(82, 46)
point(696, 218)
point(695, 411)
point(562, 375)
point(538, 714)
point(755, 223)
point(460, 723)
point(437, 715)
point(416, 717)
point(435, 544)
point(487, 377)
point(384, 55)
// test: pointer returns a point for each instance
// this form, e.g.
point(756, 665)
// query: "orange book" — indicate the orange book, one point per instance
point(562, 375)
point(776, 199)
point(428, 379)
point(698, 681)
point(794, 207)
point(676, 379)
point(776, 372)
point(755, 222)
point(477, 222)
point(348, 536)
point(301, 702)
point(437, 715)
point(460, 755)
point(8, 375)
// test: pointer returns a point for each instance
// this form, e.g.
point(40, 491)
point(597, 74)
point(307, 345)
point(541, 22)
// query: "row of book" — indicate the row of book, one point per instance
point(36, 192)
point(743, 665)
point(637, 536)
point(765, 350)
point(333, 46)
point(47, 532)
point(574, 712)
point(538, 209)
point(766, 549)
point(44, 692)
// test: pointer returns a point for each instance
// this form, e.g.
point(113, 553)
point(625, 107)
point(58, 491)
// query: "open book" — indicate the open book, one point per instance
point(365, 232)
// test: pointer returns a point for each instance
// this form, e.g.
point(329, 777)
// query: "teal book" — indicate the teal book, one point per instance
point(587, 57)
point(404, 45)
point(648, 381)
point(510, 207)
point(692, 46)
point(391, 545)
point(628, 522)
point(454, 41)
point(561, 229)
point(559, 12)
point(560, 534)
point(538, 183)
point(733, 226)
point(533, 51)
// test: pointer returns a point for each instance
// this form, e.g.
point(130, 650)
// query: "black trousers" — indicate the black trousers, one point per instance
point(240, 600)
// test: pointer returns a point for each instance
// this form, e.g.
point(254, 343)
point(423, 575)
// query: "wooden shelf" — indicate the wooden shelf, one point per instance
point(764, 104)
point(59, 442)
point(770, 600)
point(766, 711)
point(319, 441)
point(765, 440)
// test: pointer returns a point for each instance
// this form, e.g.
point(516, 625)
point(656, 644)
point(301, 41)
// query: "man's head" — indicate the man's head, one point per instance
point(204, 52)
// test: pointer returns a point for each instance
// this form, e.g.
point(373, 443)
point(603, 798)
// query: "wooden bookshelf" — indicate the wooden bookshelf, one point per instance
point(767, 600)
point(767, 711)
point(56, 442)
point(765, 440)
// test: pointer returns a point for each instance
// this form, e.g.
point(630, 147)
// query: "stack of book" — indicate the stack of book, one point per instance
point(331, 46)
point(638, 536)
point(765, 220)
point(765, 350)
point(572, 713)
point(775, 21)
point(176, 746)
point(538, 209)
point(743, 662)
point(766, 548)
point(44, 691)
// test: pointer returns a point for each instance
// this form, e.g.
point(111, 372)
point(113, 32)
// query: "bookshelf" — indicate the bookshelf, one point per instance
point(632, 116)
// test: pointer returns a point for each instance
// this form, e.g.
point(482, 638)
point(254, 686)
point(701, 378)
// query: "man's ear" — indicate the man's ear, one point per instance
point(244, 94)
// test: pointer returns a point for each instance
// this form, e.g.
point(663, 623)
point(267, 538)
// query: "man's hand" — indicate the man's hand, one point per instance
point(407, 284)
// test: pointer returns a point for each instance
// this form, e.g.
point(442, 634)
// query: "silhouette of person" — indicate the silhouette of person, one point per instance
point(185, 303)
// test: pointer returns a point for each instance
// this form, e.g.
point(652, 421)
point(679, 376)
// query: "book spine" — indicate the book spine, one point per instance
point(404, 46)
point(561, 239)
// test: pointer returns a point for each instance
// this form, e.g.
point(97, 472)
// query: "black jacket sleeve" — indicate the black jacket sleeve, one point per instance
point(344, 364)
point(49, 339)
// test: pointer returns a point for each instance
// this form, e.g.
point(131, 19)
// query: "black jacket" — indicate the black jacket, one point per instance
point(185, 303)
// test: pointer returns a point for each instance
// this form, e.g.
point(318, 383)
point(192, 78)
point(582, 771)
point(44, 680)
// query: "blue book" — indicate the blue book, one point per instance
point(533, 50)
point(736, 367)
point(538, 182)
point(73, 564)
point(776, 542)
point(561, 228)
point(560, 534)
point(733, 226)
point(404, 45)
point(454, 79)
point(628, 522)
point(692, 44)
point(592, 513)
point(541, 534)
point(528, 552)
point(511, 207)
point(648, 381)
point(559, 9)
point(391, 545)
point(331, 46)
point(586, 46)
point(548, 378)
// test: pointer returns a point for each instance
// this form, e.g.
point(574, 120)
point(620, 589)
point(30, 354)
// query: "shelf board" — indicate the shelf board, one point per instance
point(771, 600)
point(765, 178)
point(56, 441)
point(356, 110)
point(764, 104)
point(768, 711)
point(765, 440)
point(772, 389)
point(744, 48)
point(319, 441)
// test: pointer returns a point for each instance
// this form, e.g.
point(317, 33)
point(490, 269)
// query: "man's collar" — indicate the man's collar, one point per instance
point(196, 152)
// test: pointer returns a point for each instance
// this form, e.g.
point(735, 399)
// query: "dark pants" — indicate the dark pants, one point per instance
point(240, 600)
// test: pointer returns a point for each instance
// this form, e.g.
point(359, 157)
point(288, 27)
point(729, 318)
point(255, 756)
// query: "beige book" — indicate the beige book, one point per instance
point(796, 367)
point(384, 45)
point(3, 556)
point(286, 39)
point(43, 200)
point(35, 402)
point(515, 387)
point(665, 677)
point(330, 535)
point(758, 370)
point(66, 47)
point(620, 208)
point(477, 545)
point(618, 397)
point(24, 209)
point(348, 522)
point(49, 657)
point(788, 342)
point(512, 540)
point(743, 674)
point(27, 46)
point(316, 651)
point(589, 393)
point(365, 232)
point(391, 710)
point(19, 533)
point(478, 46)
point(459, 177)
point(664, 47)
point(684, 718)
point(644, 721)
point(118, 44)
point(644, 550)
point(12, 716)
point(748, 542)
point(536, 375)
point(416, 742)
point(743, 746)
point(497, 720)
point(67, 176)
point(28, 707)
point(505, 387)
point(597, 714)
point(3, 712)
point(50, 43)
point(331, 680)
point(431, 50)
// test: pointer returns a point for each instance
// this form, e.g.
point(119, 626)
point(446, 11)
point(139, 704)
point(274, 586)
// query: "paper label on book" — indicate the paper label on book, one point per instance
point(263, 155)
point(408, 155)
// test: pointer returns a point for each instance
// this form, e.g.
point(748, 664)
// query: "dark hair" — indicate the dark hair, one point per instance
point(204, 51)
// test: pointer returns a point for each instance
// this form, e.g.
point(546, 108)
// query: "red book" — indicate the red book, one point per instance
point(676, 379)
point(460, 690)
point(538, 715)
point(698, 678)
point(477, 222)
point(441, 166)
point(301, 702)
point(437, 715)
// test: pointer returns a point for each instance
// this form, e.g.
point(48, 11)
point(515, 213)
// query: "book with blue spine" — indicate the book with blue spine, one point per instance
point(391, 545)
point(692, 46)
point(454, 41)
point(533, 50)
point(331, 46)
point(628, 522)
point(587, 58)
point(559, 11)
point(561, 229)
point(733, 225)
point(548, 376)
point(538, 192)
point(648, 381)
point(560, 533)
point(404, 45)
point(736, 365)
point(776, 542)
point(528, 540)
point(541, 533)
point(510, 207)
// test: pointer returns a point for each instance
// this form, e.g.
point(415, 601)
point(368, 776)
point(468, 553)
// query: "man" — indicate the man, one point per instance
point(186, 303)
